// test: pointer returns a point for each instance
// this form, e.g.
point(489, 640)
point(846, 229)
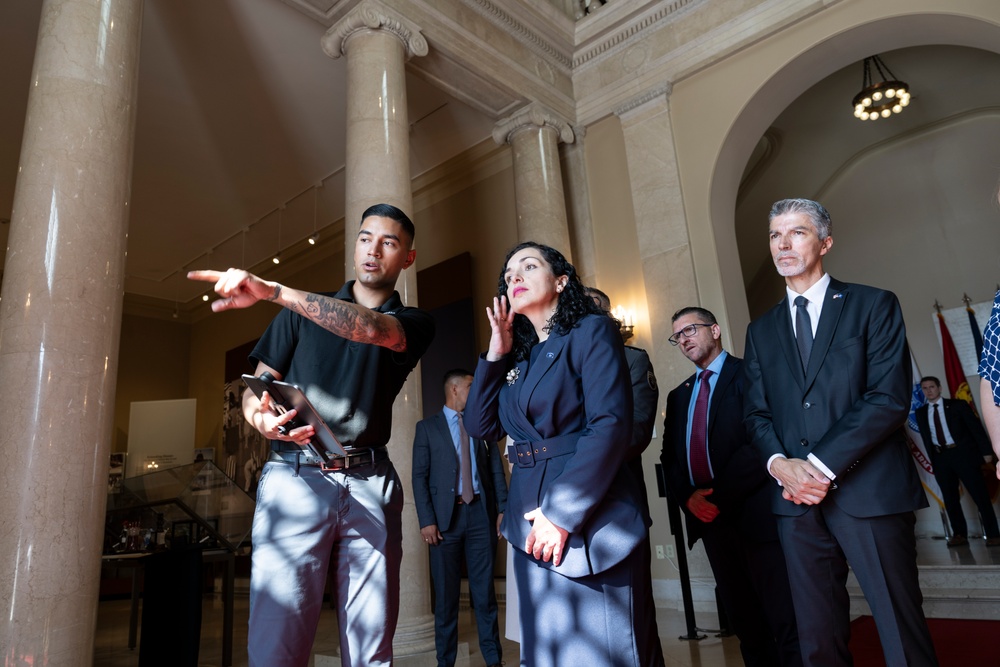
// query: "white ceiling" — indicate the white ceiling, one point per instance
point(239, 113)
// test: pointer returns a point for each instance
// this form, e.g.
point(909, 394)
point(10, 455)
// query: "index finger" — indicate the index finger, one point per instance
point(206, 275)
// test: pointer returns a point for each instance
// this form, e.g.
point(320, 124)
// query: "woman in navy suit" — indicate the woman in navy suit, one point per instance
point(556, 382)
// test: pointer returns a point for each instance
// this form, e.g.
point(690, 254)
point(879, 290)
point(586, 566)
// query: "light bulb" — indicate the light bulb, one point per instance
point(876, 96)
point(867, 101)
point(891, 92)
point(897, 108)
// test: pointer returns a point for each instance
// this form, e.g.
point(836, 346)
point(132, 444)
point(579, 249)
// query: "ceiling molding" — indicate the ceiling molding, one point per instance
point(614, 41)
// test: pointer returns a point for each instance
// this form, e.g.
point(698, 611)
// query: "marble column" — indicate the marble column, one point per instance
point(534, 134)
point(581, 224)
point(661, 225)
point(60, 317)
point(376, 42)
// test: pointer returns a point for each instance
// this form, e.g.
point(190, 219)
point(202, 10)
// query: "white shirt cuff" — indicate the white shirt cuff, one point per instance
point(770, 461)
point(819, 464)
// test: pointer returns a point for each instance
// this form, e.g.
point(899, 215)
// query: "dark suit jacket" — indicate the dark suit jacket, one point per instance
point(645, 394)
point(740, 488)
point(575, 398)
point(963, 424)
point(848, 408)
point(435, 473)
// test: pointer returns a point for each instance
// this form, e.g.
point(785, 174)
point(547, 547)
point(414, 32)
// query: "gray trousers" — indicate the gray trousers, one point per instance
point(349, 523)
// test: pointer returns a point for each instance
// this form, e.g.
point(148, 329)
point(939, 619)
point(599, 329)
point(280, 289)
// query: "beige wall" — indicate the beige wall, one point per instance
point(152, 366)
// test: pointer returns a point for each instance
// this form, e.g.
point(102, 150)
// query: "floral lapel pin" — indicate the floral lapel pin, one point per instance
point(512, 376)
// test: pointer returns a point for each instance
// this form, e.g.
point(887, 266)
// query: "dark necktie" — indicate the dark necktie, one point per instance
point(803, 330)
point(938, 429)
point(465, 460)
point(700, 471)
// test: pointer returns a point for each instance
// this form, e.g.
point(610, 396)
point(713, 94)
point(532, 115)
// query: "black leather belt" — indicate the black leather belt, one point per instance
point(354, 459)
point(459, 501)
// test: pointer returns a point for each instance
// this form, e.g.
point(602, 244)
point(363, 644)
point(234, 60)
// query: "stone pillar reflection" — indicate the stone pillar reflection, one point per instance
point(534, 134)
point(377, 41)
point(60, 319)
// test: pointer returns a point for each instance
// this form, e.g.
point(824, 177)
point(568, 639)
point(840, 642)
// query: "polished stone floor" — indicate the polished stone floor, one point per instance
point(112, 628)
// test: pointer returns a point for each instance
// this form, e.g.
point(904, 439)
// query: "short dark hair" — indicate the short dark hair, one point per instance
point(393, 213)
point(455, 373)
point(703, 314)
point(818, 215)
point(930, 378)
point(603, 300)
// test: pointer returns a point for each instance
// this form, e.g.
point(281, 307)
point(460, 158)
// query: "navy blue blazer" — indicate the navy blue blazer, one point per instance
point(848, 407)
point(570, 418)
point(435, 473)
point(740, 488)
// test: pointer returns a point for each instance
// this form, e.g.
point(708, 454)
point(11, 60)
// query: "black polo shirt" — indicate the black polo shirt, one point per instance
point(351, 385)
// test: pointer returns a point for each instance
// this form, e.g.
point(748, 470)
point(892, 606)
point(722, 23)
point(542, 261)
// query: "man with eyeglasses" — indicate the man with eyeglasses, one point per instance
point(715, 475)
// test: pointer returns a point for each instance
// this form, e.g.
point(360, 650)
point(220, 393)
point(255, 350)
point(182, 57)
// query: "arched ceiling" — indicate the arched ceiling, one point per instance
point(816, 143)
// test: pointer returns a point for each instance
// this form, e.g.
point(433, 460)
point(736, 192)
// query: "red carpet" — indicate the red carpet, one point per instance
point(957, 642)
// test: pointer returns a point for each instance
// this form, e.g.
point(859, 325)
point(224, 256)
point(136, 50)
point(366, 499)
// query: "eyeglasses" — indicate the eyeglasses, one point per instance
point(687, 332)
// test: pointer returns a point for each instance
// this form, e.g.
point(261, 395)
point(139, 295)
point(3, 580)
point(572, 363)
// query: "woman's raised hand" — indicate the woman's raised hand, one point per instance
point(501, 319)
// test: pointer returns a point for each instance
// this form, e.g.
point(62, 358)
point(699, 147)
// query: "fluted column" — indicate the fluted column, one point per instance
point(377, 41)
point(534, 134)
point(60, 317)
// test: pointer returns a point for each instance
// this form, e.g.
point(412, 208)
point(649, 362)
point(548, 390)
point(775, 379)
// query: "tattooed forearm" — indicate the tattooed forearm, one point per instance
point(351, 321)
point(274, 295)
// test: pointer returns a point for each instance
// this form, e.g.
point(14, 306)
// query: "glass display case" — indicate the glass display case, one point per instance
point(194, 505)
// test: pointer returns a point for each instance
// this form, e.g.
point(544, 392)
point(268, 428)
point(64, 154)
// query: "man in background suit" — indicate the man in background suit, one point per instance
point(827, 393)
point(956, 439)
point(645, 395)
point(459, 514)
point(726, 497)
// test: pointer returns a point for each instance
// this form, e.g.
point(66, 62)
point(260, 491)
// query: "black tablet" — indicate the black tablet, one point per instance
point(286, 397)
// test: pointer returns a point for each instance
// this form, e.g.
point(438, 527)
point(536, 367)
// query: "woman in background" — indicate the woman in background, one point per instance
point(989, 371)
point(555, 380)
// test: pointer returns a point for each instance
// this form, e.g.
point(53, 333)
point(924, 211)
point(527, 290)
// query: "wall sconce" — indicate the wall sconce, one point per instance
point(626, 319)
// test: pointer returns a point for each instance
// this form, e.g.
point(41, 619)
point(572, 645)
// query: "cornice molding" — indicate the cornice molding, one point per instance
point(373, 15)
point(533, 115)
point(530, 38)
point(616, 41)
point(661, 91)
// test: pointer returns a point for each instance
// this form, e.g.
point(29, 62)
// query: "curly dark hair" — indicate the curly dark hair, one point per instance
point(574, 301)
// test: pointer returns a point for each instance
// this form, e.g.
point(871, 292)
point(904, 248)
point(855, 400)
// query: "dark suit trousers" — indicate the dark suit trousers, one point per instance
point(753, 585)
point(962, 463)
point(882, 551)
point(471, 536)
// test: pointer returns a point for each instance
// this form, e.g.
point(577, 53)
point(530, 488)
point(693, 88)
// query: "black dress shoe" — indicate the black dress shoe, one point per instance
point(957, 541)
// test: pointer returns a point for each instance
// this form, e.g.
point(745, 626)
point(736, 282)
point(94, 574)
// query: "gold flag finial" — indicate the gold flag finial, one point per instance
point(937, 306)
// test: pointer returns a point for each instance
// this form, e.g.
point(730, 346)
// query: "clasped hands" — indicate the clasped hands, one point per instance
point(802, 482)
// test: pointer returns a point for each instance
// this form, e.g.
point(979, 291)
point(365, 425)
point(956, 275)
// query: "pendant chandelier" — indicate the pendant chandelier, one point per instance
point(883, 98)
